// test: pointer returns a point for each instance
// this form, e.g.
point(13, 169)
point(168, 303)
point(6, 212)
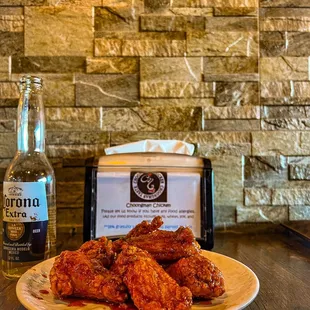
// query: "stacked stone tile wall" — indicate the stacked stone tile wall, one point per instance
point(231, 76)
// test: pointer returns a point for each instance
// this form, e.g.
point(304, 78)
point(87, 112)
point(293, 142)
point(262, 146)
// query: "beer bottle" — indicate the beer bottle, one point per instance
point(29, 201)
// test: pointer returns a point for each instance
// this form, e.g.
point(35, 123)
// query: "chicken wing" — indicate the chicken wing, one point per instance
point(164, 246)
point(74, 274)
point(149, 285)
point(100, 252)
point(199, 274)
point(145, 227)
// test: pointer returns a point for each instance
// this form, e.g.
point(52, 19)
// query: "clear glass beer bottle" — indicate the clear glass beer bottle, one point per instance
point(29, 200)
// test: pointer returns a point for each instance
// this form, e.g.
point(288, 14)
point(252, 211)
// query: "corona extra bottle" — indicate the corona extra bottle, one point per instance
point(29, 201)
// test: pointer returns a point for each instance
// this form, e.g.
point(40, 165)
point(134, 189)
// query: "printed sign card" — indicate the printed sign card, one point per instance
point(124, 199)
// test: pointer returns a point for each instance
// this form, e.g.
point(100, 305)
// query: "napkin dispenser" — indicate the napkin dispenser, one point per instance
point(122, 190)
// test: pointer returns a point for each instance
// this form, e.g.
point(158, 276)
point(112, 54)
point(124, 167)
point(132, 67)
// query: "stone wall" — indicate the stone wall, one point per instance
point(229, 75)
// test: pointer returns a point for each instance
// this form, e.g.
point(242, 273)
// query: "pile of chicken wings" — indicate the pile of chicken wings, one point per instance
point(156, 269)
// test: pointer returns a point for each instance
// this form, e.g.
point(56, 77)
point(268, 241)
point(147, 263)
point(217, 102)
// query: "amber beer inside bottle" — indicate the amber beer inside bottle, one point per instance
point(29, 210)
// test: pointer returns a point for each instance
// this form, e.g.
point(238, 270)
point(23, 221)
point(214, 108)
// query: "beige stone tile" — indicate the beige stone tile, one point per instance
point(151, 119)
point(215, 143)
point(236, 93)
point(122, 137)
point(298, 44)
point(156, 5)
point(192, 11)
point(70, 219)
point(153, 48)
point(285, 111)
point(11, 10)
point(224, 216)
point(265, 172)
point(142, 36)
point(8, 113)
point(225, 43)
point(7, 146)
point(305, 142)
point(241, 24)
point(170, 69)
point(285, 89)
point(12, 43)
point(108, 47)
point(77, 137)
point(116, 18)
point(9, 90)
point(112, 65)
point(232, 125)
point(4, 68)
point(273, 24)
point(69, 195)
point(12, 23)
point(153, 22)
point(76, 151)
point(285, 24)
point(226, 11)
point(72, 114)
point(73, 119)
point(285, 124)
point(216, 3)
point(48, 64)
point(4, 163)
point(298, 213)
point(58, 90)
point(51, 31)
point(246, 112)
point(284, 12)
point(69, 3)
point(203, 138)
point(172, 102)
point(262, 214)
point(7, 126)
point(70, 174)
point(257, 196)
point(291, 197)
point(298, 24)
point(284, 3)
point(276, 142)
point(177, 89)
point(300, 170)
point(228, 181)
point(107, 90)
point(115, 47)
point(284, 68)
point(7, 151)
point(230, 69)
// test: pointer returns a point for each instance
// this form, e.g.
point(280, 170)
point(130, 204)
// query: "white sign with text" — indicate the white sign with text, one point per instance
point(124, 199)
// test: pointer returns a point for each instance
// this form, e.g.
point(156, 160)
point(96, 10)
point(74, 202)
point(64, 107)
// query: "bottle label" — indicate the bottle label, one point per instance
point(25, 221)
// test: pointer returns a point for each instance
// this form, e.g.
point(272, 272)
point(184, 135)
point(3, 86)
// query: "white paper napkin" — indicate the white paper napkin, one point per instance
point(158, 146)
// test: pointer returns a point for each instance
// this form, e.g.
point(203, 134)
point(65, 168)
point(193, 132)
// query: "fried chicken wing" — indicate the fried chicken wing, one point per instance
point(145, 227)
point(100, 252)
point(164, 246)
point(150, 287)
point(199, 274)
point(74, 274)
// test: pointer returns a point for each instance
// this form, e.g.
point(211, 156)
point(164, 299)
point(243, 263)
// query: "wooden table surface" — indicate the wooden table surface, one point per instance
point(280, 260)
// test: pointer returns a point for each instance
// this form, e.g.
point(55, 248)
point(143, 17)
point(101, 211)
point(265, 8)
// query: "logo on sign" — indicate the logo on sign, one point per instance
point(150, 186)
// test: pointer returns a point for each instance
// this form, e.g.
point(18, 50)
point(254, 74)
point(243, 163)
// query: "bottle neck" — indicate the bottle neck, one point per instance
point(30, 122)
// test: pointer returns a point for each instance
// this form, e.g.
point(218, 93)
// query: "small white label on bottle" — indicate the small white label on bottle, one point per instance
point(24, 202)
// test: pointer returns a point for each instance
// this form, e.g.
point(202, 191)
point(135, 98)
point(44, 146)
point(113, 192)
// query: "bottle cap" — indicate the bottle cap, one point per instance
point(29, 81)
